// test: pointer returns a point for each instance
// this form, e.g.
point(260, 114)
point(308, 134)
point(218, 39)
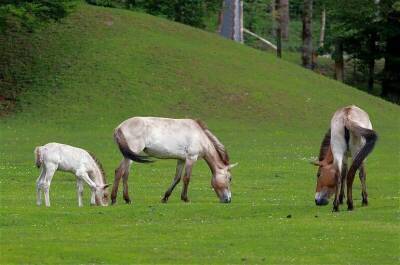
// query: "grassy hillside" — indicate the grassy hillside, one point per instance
point(101, 66)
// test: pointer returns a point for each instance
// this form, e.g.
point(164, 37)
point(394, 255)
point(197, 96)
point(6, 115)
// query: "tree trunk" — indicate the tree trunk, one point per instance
point(391, 76)
point(284, 18)
point(371, 73)
point(339, 63)
point(278, 28)
point(220, 18)
point(307, 50)
point(371, 61)
point(322, 32)
point(273, 17)
point(232, 20)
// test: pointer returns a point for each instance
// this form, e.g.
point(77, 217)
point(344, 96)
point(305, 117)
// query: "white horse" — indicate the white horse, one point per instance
point(185, 140)
point(55, 156)
point(350, 135)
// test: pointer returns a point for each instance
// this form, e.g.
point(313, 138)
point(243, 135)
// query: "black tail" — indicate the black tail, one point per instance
point(370, 136)
point(124, 148)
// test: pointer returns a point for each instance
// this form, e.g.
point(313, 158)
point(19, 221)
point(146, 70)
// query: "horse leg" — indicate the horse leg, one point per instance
point(186, 178)
point(178, 175)
point(50, 170)
point(125, 181)
point(344, 173)
point(119, 172)
point(363, 177)
point(356, 144)
point(83, 176)
point(39, 182)
point(338, 177)
point(350, 180)
point(79, 188)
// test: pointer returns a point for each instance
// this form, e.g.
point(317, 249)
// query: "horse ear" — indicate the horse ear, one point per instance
point(315, 163)
point(106, 186)
point(233, 165)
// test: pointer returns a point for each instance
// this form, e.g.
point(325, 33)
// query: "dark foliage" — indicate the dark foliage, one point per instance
point(190, 12)
point(18, 19)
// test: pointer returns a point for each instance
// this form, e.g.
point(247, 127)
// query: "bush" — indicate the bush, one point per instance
point(190, 12)
point(105, 3)
point(32, 14)
point(18, 19)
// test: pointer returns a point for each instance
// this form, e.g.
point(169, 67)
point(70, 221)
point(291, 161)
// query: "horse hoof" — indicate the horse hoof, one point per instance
point(113, 201)
point(335, 209)
point(128, 201)
point(164, 200)
point(364, 203)
point(350, 207)
point(185, 199)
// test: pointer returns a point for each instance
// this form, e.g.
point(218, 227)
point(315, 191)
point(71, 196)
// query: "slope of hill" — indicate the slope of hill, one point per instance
point(101, 66)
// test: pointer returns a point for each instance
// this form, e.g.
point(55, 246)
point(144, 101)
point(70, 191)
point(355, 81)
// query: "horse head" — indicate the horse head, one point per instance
point(326, 177)
point(221, 183)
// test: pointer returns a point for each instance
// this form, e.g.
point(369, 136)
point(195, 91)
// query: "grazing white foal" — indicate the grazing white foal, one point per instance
point(54, 156)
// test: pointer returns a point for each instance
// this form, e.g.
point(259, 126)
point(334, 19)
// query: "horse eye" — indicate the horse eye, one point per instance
point(230, 179)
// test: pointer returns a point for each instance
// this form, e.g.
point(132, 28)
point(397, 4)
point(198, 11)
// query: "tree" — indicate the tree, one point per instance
point(278, 28)
point(232, 20)
point(284, 18)
point(307, 50)
point(355, 27)
point(391, 35)
point(339, 62)
point(323, 25)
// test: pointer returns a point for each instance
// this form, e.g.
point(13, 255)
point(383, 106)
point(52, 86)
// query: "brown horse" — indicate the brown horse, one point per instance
point(350, 134)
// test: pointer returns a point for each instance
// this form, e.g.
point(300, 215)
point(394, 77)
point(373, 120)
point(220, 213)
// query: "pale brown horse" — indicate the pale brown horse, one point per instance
point(185, 140)
point(350, 134)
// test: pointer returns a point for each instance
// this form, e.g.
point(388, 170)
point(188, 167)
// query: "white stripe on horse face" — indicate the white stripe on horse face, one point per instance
point(317, 195)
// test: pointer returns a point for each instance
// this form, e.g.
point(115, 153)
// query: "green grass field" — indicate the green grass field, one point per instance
point(101, 66)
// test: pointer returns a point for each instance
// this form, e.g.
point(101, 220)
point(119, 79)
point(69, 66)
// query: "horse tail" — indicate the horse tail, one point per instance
point(38, 157)
point(370, 137)
point(125, 150)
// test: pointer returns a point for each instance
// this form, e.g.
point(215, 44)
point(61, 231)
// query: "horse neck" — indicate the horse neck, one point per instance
point(98, 176)
point(328, 159)
point(213, 159)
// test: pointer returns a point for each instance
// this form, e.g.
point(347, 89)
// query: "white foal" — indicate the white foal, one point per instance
point(54, 156)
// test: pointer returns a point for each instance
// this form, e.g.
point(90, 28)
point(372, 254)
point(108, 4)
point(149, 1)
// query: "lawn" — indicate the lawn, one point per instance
point(100, 66)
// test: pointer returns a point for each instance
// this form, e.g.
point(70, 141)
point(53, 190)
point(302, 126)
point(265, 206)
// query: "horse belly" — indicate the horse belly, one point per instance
point(163, 151)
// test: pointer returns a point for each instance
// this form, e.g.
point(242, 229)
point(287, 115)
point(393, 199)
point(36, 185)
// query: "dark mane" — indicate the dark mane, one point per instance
point(103, 174)
point(326, 142)
point(223, 154)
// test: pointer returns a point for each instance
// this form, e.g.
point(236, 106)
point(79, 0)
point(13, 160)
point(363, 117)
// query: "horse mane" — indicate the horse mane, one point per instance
point(223, 154)
point(100, 166)
point(325, 145)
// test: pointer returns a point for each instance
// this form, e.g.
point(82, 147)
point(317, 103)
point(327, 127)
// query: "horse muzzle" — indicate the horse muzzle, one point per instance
point(321, 202)
point(226, 199)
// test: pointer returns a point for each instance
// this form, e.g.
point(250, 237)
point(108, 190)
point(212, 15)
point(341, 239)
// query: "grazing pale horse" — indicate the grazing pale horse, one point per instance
point(185, 140)
point(350, 134)
point(55, 156)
